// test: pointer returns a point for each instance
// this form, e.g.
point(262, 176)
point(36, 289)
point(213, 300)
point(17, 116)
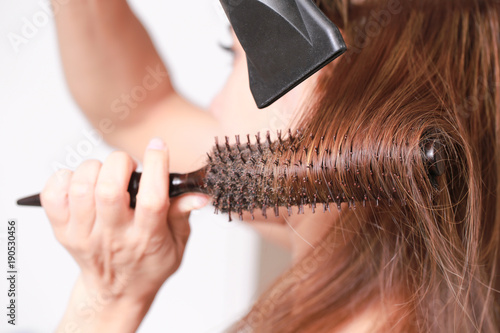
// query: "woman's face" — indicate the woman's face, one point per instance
point(235, 108)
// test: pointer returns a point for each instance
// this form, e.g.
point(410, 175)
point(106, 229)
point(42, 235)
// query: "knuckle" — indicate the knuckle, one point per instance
point(152, 203)
point(62, 175)
point(89, 167)
point(149, 244)
point(80, 247)
point(52, 196)
point(55, 189)
point(108, 192)
point(120, 157)
point(80, 189)
point(88, 164)
point(93, 163)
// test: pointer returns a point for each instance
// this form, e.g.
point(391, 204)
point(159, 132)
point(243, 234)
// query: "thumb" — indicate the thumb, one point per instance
point(178, 214)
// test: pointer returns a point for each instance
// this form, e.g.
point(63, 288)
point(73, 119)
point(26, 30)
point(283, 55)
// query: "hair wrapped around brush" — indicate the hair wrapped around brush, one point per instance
point(298, 170)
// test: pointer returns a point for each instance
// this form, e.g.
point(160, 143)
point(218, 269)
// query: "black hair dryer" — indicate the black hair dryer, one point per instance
point(285, 42)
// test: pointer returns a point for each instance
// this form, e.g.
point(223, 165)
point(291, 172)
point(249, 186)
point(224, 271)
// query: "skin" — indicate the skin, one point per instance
point(126, 255)
point(119, 250)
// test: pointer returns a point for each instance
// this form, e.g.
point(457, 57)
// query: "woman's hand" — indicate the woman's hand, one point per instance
point(125, 255)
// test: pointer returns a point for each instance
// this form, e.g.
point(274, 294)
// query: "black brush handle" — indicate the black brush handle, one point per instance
point(180, 183)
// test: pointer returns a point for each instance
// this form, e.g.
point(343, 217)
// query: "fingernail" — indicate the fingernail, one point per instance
point(193, 202)
point(157, 144)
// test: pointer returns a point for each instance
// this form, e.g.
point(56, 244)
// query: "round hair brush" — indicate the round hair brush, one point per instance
point(287, 172)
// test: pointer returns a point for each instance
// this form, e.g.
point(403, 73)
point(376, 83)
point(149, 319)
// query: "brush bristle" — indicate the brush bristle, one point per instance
point(288, 173)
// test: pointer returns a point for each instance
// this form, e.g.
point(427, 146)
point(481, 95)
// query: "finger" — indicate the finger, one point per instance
point(54, 198)
point(82, 199)
point(111, 196)
point(152, 197)
point(178, 215)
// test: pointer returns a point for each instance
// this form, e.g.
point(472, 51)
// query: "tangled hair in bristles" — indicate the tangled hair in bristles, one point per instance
point(431, 264)
point(296, 171)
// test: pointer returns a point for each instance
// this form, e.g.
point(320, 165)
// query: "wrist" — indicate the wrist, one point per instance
point(92, 311)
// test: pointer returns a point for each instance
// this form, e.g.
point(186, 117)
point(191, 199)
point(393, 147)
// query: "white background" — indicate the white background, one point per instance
point(39, 122)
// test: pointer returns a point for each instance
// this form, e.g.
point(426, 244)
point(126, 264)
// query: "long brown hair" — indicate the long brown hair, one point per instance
point(414, 71)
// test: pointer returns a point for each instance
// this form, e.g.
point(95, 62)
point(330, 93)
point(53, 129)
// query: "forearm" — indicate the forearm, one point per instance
point(106, 54)
point(91, 311)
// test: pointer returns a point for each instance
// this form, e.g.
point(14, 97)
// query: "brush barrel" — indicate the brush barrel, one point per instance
point(296, 172)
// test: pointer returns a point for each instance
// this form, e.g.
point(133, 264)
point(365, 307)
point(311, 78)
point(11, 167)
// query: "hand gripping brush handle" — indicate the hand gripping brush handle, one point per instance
point(179, 184)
